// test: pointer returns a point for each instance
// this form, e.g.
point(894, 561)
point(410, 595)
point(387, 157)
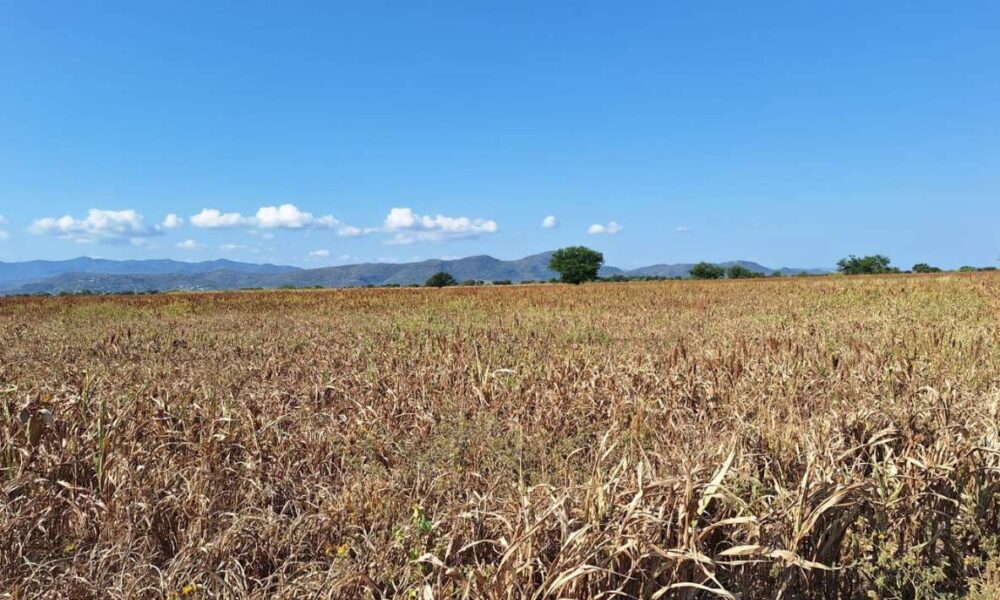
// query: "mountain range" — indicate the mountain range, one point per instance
point(100, 275)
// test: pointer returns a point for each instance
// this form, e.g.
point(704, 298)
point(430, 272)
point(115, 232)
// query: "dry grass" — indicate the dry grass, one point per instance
point(803, 438)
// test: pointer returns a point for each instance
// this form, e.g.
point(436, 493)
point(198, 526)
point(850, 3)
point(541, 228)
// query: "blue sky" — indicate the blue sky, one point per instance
point(791, 133)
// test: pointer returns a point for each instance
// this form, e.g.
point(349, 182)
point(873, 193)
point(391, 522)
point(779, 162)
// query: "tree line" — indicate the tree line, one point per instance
point(579, 264)
point(878, 264)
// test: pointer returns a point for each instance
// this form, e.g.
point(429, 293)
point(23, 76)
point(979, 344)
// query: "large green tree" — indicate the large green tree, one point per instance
point(925, 268)
point(741, 272)
point(576, 264)
point(441, 279)
point(706, 270)
point(866, 265)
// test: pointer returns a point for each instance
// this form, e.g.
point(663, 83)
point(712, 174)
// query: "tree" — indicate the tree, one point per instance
point(576, 264)
point(706, 270)
point(925, 268)
point(441, 279)
point(741, 272)
point(865, 265)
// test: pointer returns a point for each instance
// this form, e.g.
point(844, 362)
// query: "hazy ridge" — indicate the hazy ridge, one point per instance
point(100, 275)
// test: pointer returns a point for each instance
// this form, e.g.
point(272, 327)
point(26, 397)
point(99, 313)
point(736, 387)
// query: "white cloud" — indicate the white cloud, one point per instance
point(285, 216)
point(407, 227)
point(400, 218)
point(610, 229)
point(682, 229)
point(232, 247)
point(106, 226)
point(188, 245)
point(288, 216)
point(172, 221)
point(320, 254)
point(212, 218)
point(550, 222)
point(3, 234)
point(403, 225)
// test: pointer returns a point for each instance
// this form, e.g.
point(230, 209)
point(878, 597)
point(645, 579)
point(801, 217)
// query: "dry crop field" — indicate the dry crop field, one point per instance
point(799, 438)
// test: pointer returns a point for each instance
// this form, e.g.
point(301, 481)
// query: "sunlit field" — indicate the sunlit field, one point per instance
point(820, 437)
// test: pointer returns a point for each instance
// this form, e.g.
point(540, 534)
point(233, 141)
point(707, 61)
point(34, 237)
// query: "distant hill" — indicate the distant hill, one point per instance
point(485, 268)
point(13, 275)
point(138, 276)
point(684, 269)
